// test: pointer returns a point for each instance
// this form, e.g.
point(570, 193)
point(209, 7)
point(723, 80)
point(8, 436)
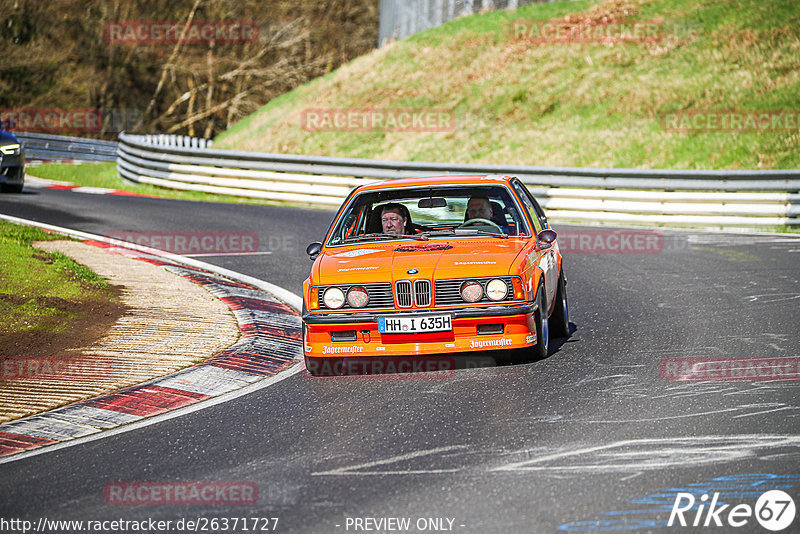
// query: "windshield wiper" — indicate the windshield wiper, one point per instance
point(442, 231)
point(365, 236)
point(384, 236)
point(465, 231)
point(418, 237)
point(495, 234)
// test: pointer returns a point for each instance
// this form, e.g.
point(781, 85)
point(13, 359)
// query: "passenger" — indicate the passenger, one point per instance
point(479, 208)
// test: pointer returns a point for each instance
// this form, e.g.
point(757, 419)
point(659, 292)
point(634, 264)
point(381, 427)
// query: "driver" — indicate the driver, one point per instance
point(479, 208)
point(393, 220)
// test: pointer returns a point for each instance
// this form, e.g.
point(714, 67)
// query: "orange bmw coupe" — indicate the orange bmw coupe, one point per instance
point(431, 266)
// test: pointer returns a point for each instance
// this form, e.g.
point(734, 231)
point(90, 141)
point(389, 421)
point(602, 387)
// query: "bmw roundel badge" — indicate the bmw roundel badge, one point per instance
point(412, 271)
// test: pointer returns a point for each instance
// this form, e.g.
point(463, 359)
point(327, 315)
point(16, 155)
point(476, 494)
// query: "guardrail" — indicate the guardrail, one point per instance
point(711, 198)
point(61, 147)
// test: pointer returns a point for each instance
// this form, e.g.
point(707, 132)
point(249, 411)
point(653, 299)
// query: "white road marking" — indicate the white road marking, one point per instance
point(767, 298)
point(352, 470)
point(651, 419)
point(781, 408)
point(92, 190)
point(633, 456)
point(659, 453)
point(38, 183)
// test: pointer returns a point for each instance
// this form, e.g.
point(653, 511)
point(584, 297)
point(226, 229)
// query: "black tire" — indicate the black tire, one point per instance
point(313, 366)
point(559, 320)
point(542, 324)
point(8, 188)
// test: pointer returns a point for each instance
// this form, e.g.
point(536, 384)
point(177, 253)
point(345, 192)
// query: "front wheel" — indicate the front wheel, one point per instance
point(560, 317)
point(314, 366)
point(542, 326)
point(9, 188)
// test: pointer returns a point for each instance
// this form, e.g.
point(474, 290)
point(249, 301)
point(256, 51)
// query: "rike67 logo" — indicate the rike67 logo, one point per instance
point(774, 510)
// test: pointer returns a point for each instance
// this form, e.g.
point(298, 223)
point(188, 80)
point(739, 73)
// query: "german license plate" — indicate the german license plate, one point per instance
point(407, 324)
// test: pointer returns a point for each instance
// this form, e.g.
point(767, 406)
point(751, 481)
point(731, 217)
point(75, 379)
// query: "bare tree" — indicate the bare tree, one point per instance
point(180, 87)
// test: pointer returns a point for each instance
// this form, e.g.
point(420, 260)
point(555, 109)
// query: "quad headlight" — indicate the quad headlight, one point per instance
point(496, 289)
point(333, 298)
point(357, 297)
point(471, 291)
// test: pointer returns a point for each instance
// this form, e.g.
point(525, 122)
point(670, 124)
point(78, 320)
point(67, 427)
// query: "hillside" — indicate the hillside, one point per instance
point(518, 100)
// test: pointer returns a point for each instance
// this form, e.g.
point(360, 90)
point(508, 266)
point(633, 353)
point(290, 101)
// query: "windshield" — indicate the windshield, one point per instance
point(429, 213)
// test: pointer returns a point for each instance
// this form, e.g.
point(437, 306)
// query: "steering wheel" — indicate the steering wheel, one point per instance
point(485, 222)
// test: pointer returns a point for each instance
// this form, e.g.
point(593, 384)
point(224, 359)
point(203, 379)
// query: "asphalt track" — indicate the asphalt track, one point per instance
point(592, 438)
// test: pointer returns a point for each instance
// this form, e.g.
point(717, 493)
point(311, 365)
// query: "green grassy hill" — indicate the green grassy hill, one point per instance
point(592, 104)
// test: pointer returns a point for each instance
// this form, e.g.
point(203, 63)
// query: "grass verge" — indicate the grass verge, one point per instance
point(42, 292)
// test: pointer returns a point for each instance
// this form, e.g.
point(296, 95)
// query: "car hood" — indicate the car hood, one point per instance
point(7, 138)
point(434, 259)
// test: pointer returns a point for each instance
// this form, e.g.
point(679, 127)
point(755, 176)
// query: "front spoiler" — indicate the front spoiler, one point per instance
point(518, 332)
point(470, 313)
point(12, 171)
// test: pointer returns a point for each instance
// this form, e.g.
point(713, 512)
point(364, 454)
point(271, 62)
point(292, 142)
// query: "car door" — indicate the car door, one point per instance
point(546, 261)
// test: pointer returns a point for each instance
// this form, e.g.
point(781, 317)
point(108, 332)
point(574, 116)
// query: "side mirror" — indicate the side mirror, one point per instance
point(545, 239)
point(314, 249)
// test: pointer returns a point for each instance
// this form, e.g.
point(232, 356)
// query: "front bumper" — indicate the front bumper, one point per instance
point(12, 169)
point(474, 329)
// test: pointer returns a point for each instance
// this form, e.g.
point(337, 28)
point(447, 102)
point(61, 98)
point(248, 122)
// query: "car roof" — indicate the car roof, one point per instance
point(426, 181)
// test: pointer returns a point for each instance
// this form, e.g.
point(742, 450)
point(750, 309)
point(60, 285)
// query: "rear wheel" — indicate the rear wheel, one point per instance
point(542, 326)
point(559, 320)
